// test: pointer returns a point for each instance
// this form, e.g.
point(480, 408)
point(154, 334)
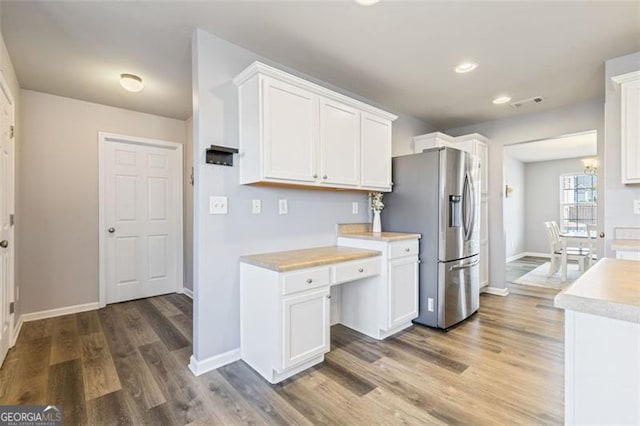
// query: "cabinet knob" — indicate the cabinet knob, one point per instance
point(328, 296)
point(407, 249)
point(324, 177)
point(309, 280)
point(315, 175)
point(360, 270)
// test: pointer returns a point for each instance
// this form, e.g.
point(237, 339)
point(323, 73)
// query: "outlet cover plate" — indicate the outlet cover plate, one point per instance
point(283, 206)
point(256, 206)
point(218, 205)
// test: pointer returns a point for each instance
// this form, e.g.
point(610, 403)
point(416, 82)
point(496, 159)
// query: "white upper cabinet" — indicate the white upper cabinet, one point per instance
point(295, 132)
point(290, 131)
point(339, 143)
point(629, 87)
point(375, 148)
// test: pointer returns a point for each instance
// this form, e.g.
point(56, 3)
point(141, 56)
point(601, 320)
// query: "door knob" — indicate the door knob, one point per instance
point(4, 243)
point(111, 230)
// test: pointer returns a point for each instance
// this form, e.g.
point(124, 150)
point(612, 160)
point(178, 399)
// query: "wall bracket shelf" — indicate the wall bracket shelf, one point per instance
point(220, 155)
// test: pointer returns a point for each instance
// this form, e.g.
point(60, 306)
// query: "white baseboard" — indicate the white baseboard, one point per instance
point(16, 331)
point(211, 363)
point(516, 256)
point(187, 292)
point(536, 254)
point(33, 316)
point(497, 291)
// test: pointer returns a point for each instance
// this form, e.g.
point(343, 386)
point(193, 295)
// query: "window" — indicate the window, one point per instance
point(578, 202)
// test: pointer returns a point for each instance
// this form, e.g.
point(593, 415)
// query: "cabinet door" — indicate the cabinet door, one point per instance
point(305, 326)
point(339, 143)
point(290, 132)
point(630, 132)
point(482, 151)
point(403, 290)
point(375, 149)
point(484, 241)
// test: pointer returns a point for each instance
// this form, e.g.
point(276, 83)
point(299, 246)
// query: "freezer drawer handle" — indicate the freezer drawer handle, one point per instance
point(465, 266)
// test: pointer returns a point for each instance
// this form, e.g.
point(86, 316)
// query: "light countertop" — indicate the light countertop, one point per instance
point(362, 231)
point(291, 260)
point(611, 288)
point(625, 244)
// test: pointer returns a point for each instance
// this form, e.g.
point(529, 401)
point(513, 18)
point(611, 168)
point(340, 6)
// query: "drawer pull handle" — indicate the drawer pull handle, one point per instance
point(309, 280)
point(361, 270)
point(407, 249)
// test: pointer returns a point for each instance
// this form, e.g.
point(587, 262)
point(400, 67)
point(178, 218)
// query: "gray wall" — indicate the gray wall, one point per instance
point(58, 252)
point(542, 199)
point(514, 207)
point(575, 118)
point(6, 67)
point(188, 207)
point(619, 208)
point(220, 240)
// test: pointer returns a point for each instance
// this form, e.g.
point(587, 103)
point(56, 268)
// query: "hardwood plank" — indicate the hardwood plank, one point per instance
point(88, 322)
point(139, 332)
point(29, 385)
point(346, 378)
point(67, 390)
point(254, 389)
point(185, 403)
point(166, 331)
point(161, 415)
point(107, 410)
point(183, 323)
point(98, 370)
point(36, 330)
point(65, 344)
point(182, 302)
point(165, 307)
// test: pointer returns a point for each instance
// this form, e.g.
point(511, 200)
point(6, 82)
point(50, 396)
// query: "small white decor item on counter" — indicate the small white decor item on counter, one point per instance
point(377, 205)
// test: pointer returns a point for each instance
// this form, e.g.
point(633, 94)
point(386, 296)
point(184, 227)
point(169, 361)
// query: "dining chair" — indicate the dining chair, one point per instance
point(592, 234)
point(560, 254)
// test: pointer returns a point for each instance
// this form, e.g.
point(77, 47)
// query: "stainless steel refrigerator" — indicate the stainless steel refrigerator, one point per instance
point(437, 193)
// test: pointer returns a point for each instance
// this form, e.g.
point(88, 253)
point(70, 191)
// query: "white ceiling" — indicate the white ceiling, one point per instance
point(399, 54)
point(567, 146)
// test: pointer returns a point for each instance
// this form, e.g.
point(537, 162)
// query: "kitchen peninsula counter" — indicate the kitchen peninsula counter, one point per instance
point(611, 288)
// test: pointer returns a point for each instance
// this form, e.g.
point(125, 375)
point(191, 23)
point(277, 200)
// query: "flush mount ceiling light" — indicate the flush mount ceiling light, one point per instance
point(131, 82)
point(501, 100)
point(366, 2)
point(465, 67)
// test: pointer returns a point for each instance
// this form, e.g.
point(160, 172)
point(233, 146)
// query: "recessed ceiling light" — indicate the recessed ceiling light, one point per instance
point(131, 82)
point(366, 2)
point(501, 100)
point(465, 67)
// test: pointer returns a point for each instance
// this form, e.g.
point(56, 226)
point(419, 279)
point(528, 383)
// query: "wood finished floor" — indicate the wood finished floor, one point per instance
point(127, 364)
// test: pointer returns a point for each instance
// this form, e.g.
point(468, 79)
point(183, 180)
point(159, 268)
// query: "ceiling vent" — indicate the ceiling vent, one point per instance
point(524, 102)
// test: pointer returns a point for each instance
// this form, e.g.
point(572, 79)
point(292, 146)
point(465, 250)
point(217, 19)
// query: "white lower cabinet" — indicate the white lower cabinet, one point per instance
point(305, 326)
point(403, 291)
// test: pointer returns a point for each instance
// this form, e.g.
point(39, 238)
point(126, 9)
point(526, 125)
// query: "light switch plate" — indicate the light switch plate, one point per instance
point(283, 206)
point(354, 207)
point(636, 206)
point(218, 205)
point(256, 206)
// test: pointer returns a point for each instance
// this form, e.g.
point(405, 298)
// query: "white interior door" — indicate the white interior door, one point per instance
point(142, 223)
point(6, 225)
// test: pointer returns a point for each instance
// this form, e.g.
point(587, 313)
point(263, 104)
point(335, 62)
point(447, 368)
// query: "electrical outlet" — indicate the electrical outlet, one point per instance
point(283, 206)
point(218, 205)
point(636, 206)
point(256, 206)
point(354, 207)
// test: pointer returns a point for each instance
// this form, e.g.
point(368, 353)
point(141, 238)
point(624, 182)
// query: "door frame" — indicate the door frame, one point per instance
point(103, 139)
point(4, 86)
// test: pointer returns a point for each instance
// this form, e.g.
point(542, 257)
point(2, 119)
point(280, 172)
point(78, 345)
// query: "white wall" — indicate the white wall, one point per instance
point(514, 207)
point(575, 118)
point(6, 68)
point(58, 253)
point(220, 240)
point(542, 199)
point(619, 208)
point(188, 206)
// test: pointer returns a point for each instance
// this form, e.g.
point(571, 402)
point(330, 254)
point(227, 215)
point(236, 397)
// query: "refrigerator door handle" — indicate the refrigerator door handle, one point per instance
point(468, 208)
point(465, 266)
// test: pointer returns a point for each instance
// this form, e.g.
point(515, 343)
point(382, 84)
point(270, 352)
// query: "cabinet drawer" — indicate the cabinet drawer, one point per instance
point(403, 248)
point(305, 279)
point(349, 271)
